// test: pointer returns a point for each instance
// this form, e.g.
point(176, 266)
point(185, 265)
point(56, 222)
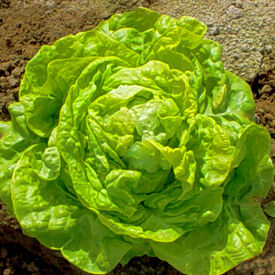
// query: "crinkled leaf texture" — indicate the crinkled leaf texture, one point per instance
point(132, 139)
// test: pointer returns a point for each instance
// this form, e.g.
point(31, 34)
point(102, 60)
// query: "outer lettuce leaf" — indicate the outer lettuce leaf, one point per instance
point(16, 137)
point(40, 203)
point(140, 19)
point(8, 159)
point(240, 231)
point(212, 249)
point(132, 139)
point(241, 99)
point(93, 247)
point(47, 212)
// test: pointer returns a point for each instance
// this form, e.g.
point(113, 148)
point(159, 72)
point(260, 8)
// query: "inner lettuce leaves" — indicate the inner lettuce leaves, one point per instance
point(132, 139)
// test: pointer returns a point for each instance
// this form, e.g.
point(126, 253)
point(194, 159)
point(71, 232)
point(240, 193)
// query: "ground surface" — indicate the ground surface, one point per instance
point(244, 28)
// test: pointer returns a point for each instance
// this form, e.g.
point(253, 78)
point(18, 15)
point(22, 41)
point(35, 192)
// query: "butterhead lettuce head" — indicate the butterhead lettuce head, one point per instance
point(132, 139)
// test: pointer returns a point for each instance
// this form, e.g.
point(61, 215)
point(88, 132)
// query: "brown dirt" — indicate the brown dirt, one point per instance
point(24, 27)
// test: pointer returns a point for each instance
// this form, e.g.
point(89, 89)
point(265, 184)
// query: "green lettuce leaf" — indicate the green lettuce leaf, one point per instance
point(16, 137)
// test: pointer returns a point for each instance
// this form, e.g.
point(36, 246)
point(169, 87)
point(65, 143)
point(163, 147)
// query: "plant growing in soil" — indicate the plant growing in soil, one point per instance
point(132, 139)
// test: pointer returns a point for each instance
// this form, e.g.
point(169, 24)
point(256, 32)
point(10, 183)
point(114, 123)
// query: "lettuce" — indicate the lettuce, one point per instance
point(132, 139)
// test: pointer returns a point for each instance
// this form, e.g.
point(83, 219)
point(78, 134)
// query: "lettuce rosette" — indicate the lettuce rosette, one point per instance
point(132, 139)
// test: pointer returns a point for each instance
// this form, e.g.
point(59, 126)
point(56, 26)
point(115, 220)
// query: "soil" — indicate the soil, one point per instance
point(27, 25)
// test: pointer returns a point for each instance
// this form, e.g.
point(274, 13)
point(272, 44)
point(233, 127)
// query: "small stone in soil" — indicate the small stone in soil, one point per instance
point(17, 71)
point(13, 81)
point(7, 271)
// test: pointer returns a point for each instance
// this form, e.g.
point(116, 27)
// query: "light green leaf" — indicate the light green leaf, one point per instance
point(93, 247)
point(214, 248)
point(43, 207)
point(16, 137)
